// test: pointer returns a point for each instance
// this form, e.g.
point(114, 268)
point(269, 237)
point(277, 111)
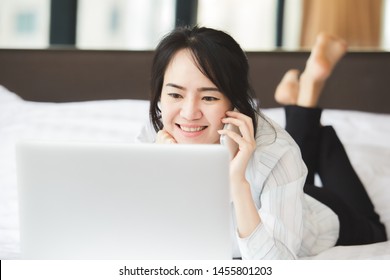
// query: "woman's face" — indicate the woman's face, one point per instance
point(192, 107)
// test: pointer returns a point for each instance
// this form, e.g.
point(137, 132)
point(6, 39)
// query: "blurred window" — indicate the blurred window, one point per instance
point(24, 23)
point(123, 24)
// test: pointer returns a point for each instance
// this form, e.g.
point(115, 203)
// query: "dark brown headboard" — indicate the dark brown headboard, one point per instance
point(360, 81)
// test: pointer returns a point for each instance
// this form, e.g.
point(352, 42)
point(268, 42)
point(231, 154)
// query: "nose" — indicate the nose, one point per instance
point(191, 110)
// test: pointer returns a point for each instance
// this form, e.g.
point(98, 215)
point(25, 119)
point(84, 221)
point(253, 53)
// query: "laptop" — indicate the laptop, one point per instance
point(82, 200)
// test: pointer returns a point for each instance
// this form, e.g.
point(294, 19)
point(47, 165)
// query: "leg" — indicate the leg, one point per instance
point(342, 190)
point(303, 121)
point(303, 124)
point(306, 89)
point(324, 154)
point(355, 229)
point(326, 53)
point(321, 149)
point(337, 174)
point(288, 89)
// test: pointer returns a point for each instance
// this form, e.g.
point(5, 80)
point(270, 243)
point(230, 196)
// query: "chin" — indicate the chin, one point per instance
point(192, 141)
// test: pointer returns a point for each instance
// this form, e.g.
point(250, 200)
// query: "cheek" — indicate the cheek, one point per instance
point(217, 116)
point(167, 115)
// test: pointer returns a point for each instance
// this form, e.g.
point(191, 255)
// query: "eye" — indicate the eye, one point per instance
point(210, 98)
point(175, 95)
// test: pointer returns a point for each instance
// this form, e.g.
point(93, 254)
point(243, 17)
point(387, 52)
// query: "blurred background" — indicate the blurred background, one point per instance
point(257, 25)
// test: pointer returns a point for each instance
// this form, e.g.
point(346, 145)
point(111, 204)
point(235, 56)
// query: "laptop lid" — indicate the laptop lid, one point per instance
point(123, 201)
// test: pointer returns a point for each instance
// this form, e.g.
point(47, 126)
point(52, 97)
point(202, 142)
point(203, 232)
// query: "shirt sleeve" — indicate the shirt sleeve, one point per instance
point(146, 134)
point(278, 188)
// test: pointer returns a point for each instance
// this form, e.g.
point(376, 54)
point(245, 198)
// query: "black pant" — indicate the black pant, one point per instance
point(342, 190)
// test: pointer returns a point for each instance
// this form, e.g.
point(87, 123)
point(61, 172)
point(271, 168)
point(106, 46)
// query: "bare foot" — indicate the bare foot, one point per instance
point(288, 89)
point(325, 54)
point(327, 51)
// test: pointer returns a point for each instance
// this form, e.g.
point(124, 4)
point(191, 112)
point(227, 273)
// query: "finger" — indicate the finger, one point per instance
point(233, 135)
point(244, 145)
point(164, 137)
point(245, 126)
point(240, 116)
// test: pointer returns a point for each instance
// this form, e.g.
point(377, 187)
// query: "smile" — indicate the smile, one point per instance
point(192, 128)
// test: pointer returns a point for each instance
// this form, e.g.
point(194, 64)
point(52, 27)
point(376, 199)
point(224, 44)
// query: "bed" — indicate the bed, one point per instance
point(102, 96)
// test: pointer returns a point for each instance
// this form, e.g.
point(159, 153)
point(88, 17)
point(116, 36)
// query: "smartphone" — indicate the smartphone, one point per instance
point(228, 142)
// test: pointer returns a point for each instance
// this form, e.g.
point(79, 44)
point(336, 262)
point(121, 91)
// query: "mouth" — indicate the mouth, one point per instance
point(192, 128)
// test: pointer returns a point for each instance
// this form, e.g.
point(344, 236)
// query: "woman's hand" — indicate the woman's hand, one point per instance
point(164, 137)
point(246, 212)
point(246, 144)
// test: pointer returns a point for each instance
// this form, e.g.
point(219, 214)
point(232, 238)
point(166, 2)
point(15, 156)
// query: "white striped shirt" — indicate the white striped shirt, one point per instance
point(293, 224)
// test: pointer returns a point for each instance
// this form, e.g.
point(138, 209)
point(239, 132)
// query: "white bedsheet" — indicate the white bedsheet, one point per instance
point(365, 135)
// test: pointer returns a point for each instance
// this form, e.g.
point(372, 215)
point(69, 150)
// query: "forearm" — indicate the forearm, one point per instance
point(246, 212)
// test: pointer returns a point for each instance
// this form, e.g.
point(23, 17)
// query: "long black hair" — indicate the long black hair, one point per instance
point(218, 56)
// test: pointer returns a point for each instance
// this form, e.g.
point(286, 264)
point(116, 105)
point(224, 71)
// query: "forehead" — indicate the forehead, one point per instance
point(181, 59)
point(183, 66)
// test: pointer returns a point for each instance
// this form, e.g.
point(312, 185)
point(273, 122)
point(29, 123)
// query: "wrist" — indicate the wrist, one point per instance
point(240, 190)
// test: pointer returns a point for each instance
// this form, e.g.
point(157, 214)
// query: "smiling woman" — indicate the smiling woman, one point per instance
point(192, 105)
point(185, 56)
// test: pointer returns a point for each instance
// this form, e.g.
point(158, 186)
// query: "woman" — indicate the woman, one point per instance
point(199, 76)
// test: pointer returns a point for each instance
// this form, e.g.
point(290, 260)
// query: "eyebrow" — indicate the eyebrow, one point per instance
point(199, 89)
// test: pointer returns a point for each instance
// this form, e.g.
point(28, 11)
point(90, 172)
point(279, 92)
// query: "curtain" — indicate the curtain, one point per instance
point(357, 21)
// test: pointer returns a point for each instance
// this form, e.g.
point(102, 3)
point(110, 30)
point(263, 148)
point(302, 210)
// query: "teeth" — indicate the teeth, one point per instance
point(192, 129)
